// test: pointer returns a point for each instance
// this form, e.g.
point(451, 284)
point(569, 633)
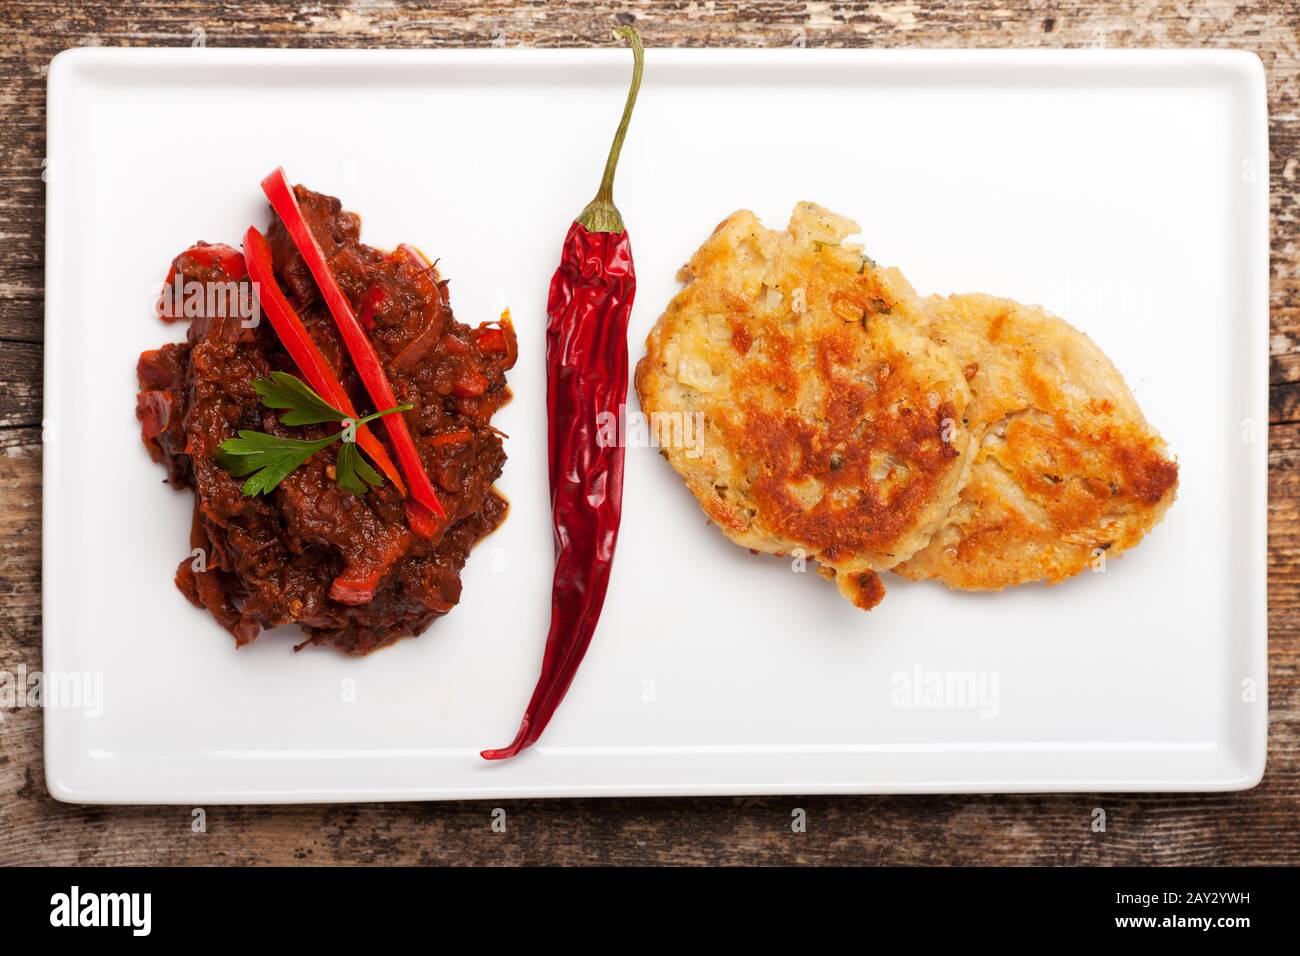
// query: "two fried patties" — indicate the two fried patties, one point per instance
point(970, 439)
point(833, 427)
point(1067, 472)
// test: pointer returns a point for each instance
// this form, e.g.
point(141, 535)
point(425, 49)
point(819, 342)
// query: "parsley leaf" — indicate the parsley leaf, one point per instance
point(352, 472)
point(269, 459)
point(283, 390)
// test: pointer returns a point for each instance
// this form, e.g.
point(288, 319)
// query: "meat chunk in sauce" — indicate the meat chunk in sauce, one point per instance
point(346, 568)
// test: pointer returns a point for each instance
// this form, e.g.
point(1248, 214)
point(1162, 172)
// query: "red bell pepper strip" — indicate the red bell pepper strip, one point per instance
point(492, 340)
point(371, 302)
point(210, 254)
point(357, 587)
point(423, 521)
point(456, 437)
point(228, 261)
point(471, 383)
point(586, 376)
point(359, 347)
point(303, 350)
point(415, 255)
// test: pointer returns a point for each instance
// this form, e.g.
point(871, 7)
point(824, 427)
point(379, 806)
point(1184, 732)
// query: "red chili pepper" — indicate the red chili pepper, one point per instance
point(586, 361)
point(303, 350)
point(367, 363)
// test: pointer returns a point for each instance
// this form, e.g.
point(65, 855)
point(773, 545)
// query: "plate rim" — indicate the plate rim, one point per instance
point(1244, 66)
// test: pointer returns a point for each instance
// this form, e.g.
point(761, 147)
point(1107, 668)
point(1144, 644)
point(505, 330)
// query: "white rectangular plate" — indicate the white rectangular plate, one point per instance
point(1125, 191)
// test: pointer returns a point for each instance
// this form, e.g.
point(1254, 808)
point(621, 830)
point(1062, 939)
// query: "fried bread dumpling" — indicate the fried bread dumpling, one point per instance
point(1066, 470)
point(832, 427)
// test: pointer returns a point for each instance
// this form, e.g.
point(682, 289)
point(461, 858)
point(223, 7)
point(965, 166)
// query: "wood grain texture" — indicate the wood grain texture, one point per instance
point(1260, 826)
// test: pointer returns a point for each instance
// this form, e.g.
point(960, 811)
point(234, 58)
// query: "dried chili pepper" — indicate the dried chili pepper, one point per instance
point(586, 378)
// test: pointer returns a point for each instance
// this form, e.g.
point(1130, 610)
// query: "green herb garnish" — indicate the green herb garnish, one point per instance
point(353, 473)
point(269, 459)
point(283, 390)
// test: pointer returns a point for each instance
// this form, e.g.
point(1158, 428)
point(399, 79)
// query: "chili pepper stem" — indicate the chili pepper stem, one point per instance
point(601, 215)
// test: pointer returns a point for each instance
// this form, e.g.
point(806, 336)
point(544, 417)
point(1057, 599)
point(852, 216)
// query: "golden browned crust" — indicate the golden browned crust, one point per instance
point(863, 588)
point(832, 427)
point(1067, 472)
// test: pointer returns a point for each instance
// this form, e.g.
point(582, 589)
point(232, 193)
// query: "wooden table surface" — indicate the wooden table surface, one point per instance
point(1259, 826)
